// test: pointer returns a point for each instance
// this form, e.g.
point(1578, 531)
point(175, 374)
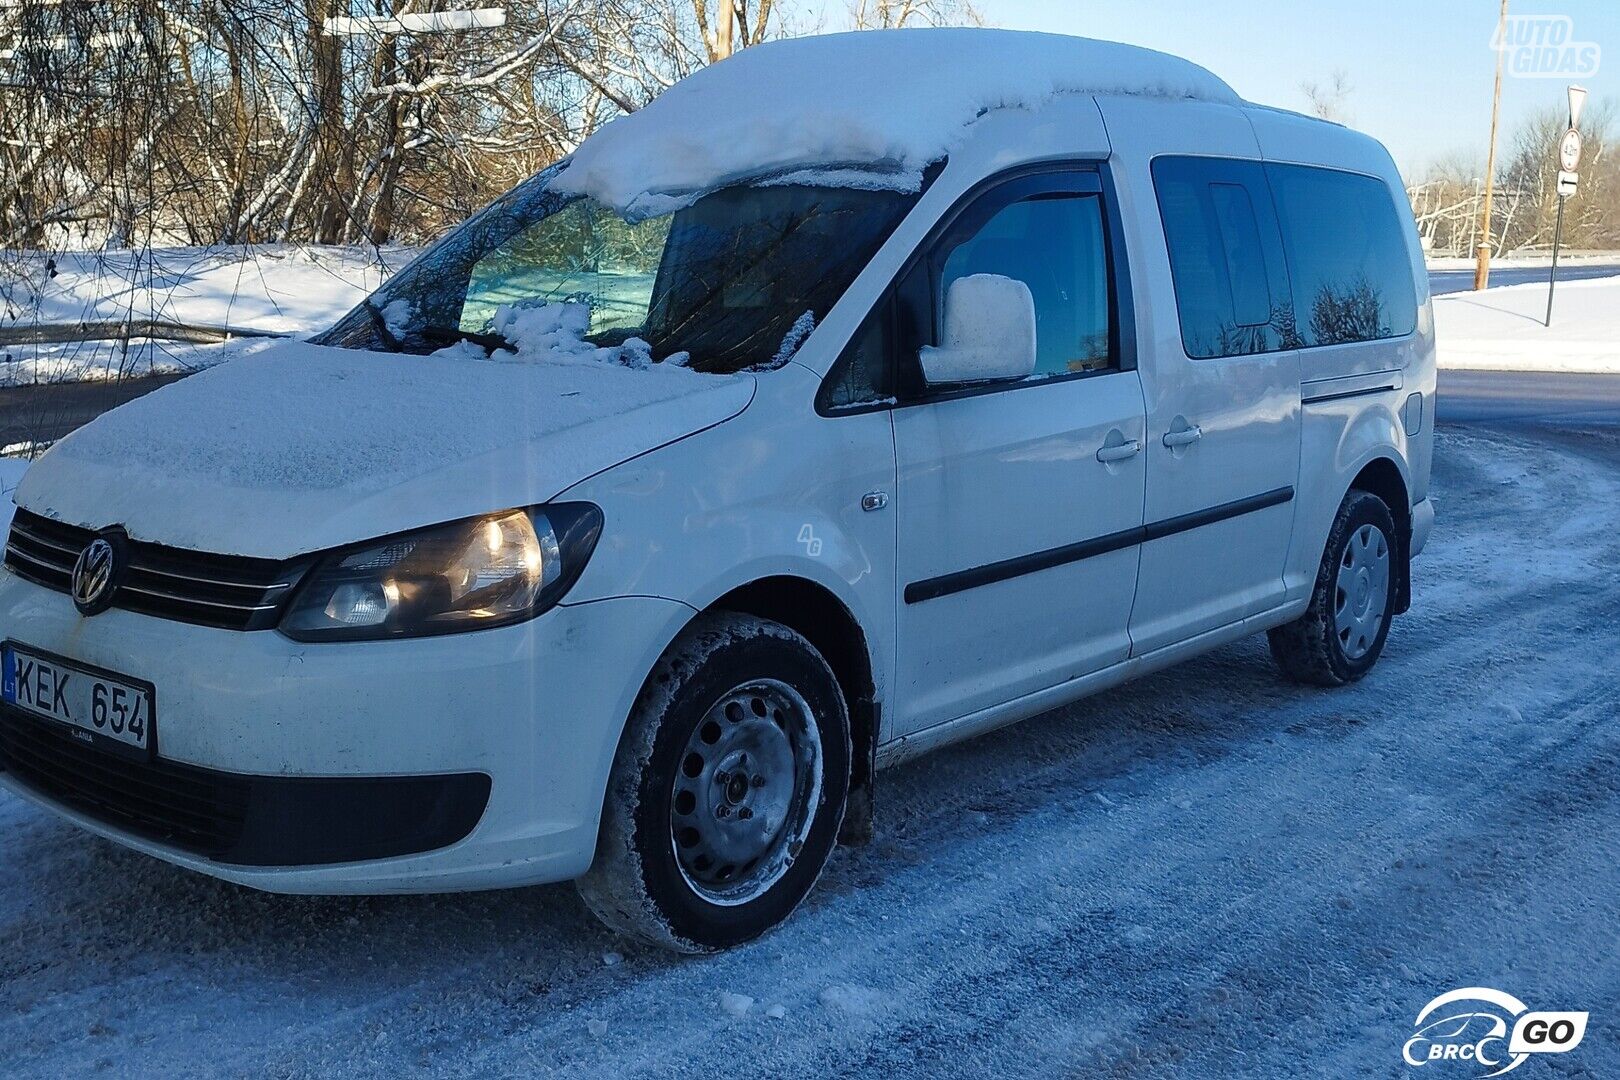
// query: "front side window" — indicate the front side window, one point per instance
point(1053, 243)
point(1046, 229)
point(1347, 255)
point(726, 279)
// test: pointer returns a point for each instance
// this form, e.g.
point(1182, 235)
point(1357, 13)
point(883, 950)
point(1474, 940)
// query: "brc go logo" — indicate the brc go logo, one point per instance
point(1479, 1036)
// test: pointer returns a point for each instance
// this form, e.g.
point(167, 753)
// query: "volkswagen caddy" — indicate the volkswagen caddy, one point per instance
point(627, 532)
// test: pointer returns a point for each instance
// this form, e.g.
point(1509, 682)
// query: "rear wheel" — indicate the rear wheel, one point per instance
point(727, 791)
point(1342, 633)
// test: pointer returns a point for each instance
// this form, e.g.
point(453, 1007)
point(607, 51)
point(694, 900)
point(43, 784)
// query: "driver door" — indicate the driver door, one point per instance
point(1019, 505)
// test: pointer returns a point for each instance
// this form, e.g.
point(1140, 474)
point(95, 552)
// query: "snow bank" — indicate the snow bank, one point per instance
point(1502, 329)
point(901, 98)
point(276, 288)
point(272, 287)
point(1447, 263)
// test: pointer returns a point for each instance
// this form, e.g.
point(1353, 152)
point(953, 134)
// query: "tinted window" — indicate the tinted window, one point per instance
point(1245, 264)
point(1347, 256)
point(1054, 244)
point(725, 279)
point(862, 374)
point(1225, 257)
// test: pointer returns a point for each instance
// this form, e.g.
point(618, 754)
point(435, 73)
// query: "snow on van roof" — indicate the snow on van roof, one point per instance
point(897, 98)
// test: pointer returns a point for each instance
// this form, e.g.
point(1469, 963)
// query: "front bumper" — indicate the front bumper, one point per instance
point(536, 708)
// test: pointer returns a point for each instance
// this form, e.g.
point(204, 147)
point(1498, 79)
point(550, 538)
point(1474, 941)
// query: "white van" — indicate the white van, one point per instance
point(861, 394)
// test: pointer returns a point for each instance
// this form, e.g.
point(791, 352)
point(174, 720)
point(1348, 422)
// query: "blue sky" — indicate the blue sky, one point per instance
point(1420, 71)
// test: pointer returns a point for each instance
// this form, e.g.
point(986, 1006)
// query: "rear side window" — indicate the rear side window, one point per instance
point(1226, 257)
point(1347, 256)
point(1245, 264)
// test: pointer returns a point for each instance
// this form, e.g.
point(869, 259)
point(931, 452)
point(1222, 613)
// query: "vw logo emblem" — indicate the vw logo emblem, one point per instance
point(95, 576)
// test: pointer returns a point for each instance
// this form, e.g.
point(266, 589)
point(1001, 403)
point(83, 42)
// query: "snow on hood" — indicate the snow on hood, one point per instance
point(903, 98)
point(300, 448)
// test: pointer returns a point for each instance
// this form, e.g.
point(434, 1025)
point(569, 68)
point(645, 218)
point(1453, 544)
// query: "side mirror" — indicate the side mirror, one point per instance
point(989, 333)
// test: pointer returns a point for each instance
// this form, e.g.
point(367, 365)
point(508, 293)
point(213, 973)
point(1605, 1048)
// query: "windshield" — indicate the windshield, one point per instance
point(728, 279)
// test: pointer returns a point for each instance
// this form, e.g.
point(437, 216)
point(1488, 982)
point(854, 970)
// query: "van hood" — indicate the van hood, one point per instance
point(300, 448)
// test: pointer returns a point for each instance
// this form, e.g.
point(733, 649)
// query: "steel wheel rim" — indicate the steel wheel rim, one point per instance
point(745, 792)
point(1361, 593)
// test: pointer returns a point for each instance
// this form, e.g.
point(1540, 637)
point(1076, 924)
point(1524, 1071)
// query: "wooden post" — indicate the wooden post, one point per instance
point(1552, 275)
point(1482, 267)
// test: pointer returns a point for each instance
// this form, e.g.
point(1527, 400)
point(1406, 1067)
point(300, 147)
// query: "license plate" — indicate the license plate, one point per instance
point(103, 708)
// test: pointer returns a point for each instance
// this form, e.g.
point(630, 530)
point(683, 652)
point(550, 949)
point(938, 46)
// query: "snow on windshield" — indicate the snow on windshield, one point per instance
point(901, 98)
point(555, 334)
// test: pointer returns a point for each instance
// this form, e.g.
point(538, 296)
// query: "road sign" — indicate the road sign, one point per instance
point(1577, 99)
point(425, 22)
point(1569, 150)
point(1569, 156)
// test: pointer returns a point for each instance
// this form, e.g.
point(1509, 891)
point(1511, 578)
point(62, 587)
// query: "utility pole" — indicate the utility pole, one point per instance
point(1473, 215)
point(1482, 268)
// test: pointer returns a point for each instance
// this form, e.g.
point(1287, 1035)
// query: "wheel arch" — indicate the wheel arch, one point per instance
point(1382, 476)
point(815, 612)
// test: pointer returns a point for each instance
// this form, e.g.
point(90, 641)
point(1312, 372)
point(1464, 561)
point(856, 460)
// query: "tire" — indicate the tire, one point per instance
point(1343, 631)
point(738, 749)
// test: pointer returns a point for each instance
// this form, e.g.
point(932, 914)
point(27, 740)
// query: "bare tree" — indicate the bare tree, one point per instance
point(729, 25)
point(1328, 100)
point(334, 121)
point(1446, 199)
point(893, 14)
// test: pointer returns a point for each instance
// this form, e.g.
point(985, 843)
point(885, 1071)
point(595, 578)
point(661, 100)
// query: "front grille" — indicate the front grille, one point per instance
point(192, 809)
point(232, 592)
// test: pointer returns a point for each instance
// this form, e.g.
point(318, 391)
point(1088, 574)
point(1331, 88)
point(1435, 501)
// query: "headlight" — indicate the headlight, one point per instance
point(468, 575)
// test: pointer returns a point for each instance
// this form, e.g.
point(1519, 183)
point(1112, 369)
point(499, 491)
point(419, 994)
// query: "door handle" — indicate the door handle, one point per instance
point(1110, 454)
point(1184, 437)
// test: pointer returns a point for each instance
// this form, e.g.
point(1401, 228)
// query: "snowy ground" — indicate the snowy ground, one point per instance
point(274, 288)
point(1206, 873)
point(1503, 329)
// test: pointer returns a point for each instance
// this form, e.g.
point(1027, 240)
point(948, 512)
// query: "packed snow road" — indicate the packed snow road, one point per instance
point(1206, 873)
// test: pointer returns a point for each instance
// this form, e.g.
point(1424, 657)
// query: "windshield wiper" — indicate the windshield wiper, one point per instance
point(441, 335)
point(380, 324)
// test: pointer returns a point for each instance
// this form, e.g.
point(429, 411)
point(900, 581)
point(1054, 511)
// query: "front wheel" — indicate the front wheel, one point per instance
point(1342, 633)
point(727, 791)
